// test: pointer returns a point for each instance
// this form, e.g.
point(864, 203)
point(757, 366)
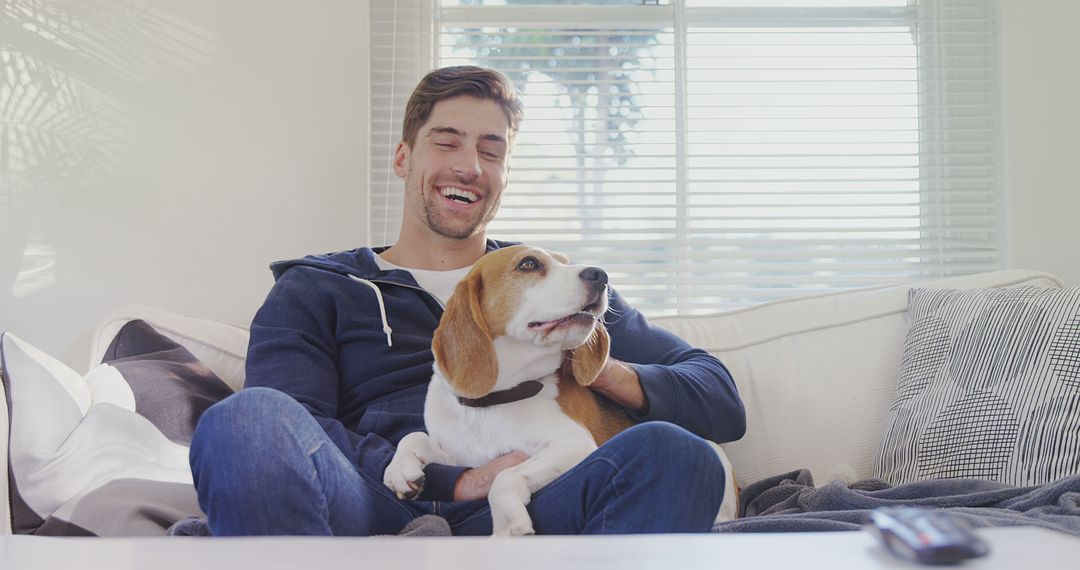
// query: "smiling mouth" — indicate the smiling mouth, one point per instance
point(458, 194)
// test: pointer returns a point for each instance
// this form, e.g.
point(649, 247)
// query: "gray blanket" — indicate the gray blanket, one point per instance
point(791, 503)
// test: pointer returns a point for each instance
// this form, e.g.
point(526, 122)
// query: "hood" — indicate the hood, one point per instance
point(359, 262)
point(360, 265)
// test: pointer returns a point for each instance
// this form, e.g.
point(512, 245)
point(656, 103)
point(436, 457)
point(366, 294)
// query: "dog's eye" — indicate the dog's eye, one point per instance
point(528, 264)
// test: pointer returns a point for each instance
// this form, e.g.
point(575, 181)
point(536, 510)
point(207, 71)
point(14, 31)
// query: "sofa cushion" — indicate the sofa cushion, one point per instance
point(989, 388)
point(817, 373)
point(221, 346)
point(80, 443)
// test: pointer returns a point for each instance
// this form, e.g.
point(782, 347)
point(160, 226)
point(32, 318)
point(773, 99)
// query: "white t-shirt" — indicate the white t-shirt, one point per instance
point(438, 283)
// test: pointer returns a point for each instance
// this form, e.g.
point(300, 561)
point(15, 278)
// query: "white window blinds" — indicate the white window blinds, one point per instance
point(402, 52)
point(716, 154)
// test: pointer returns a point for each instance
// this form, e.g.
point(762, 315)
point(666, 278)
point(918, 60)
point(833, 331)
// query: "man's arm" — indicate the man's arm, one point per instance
point(619, 383)
point(658, 376)
point(475, 483)
point(293, 349)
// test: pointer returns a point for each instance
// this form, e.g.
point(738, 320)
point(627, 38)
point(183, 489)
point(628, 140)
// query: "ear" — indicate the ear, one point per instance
point(401, 154)
point(462, 345)
point(589, 359)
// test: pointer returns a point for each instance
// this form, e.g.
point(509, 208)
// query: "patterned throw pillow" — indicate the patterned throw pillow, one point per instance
point(989, 387)
point(104, 454)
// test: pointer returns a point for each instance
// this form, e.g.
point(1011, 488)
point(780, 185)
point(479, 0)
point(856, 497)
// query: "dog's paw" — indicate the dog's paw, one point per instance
point(405, 474)
point(514, 526)
point(509, 496)
point(405, 478)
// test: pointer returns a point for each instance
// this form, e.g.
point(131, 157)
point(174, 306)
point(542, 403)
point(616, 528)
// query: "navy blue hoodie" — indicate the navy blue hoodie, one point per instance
point(360, 360)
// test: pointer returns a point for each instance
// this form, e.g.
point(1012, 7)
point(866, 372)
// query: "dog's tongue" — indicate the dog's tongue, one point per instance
point(545, 326)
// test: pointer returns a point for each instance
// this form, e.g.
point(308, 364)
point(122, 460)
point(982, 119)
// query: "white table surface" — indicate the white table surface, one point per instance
point(1024, 548)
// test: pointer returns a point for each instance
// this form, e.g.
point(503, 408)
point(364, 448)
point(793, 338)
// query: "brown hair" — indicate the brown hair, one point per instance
point(454, 81)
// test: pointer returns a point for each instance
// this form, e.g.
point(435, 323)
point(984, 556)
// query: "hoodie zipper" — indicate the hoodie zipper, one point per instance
point(413, 287)
point(382, 303)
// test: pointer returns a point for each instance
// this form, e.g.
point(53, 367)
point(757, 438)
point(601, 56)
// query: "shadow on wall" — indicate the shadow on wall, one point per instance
point(70, 72)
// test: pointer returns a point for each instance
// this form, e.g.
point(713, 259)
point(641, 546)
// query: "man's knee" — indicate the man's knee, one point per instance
point(665, 448)
point(243, 421)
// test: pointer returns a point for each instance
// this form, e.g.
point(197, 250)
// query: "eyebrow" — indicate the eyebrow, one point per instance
point(452, 131)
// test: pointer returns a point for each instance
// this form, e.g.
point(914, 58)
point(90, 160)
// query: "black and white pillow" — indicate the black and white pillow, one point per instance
point(104, 454)
point(989, 387)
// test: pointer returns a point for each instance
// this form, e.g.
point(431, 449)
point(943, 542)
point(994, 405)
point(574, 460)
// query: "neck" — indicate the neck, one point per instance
point(436, 253)
point(522, 361)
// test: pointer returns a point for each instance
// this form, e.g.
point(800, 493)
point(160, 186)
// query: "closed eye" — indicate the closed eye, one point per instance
point(529, 264)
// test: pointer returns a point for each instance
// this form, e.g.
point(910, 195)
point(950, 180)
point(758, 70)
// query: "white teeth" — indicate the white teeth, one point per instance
point(463, 195)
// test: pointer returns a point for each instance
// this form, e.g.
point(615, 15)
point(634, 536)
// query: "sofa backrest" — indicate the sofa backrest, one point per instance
point(817, 373)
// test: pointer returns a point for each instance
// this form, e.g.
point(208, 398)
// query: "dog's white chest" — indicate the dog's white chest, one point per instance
point(474, 436)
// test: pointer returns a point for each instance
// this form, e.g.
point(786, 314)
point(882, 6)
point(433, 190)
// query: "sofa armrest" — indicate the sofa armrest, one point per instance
point(5, 499)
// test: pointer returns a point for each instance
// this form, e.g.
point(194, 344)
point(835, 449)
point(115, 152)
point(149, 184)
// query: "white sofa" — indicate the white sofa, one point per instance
point(816, 373)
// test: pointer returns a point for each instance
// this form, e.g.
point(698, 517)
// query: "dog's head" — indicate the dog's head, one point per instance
point(528, 295)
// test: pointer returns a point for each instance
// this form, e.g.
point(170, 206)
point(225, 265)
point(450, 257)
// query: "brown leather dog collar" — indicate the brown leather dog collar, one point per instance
point(526, 389)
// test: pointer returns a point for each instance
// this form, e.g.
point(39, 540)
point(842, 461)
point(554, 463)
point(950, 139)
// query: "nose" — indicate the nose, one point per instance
point(596, 278)
point(467, 164)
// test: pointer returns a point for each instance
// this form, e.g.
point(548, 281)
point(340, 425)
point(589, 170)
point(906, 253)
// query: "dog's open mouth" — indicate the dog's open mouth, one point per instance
point(585, 316)
point(576, 318)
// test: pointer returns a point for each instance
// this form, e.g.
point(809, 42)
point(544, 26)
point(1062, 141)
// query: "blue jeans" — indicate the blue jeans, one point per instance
point(263, 466)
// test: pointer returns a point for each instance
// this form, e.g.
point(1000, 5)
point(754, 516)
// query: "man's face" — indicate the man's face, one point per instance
point(456, 170)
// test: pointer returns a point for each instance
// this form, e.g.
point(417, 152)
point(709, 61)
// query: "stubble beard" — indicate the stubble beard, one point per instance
point(441, 225)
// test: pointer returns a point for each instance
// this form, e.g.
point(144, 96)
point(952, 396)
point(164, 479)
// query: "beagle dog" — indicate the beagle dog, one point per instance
point(521, 339)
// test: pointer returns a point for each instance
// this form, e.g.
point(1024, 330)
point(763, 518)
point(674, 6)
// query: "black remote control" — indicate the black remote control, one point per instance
point(925, 535)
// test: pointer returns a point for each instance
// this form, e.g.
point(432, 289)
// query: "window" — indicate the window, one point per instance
point(712, 154)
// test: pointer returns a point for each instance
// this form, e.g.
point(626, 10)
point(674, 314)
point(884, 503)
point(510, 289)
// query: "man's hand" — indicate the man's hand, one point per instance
point(476, 482)
point(620, 384)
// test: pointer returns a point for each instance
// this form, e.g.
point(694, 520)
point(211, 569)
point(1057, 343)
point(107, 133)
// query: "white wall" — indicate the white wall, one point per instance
point(1040, 58)
point(164, 152)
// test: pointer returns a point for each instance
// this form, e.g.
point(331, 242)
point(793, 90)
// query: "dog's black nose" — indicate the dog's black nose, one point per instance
point(595, 277)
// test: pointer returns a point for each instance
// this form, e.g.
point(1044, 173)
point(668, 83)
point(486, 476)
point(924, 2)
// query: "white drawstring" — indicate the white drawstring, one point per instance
point(382, 308)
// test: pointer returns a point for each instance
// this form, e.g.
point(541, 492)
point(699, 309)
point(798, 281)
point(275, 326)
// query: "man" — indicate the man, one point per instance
point(344, 341)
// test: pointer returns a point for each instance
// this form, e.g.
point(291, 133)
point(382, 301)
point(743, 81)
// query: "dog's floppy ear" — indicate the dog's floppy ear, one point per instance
point(589, 359)
point(462, 345)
